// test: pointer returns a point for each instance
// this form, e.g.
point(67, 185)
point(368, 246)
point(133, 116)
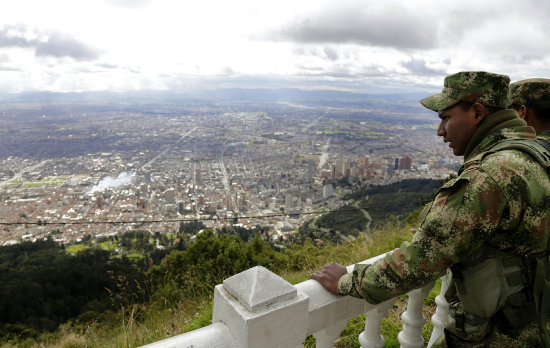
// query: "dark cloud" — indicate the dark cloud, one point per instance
point(62, 46)
point(385, 27)
point(418, 66)
point(45, 44)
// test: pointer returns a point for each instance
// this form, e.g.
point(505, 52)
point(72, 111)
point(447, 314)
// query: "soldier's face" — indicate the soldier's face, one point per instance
point(457, 127)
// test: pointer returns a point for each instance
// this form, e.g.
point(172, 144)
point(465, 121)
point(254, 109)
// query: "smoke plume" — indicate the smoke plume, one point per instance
point(122, 179)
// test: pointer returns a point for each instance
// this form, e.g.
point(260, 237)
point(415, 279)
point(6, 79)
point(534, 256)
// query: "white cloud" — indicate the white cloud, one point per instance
point(122, 44)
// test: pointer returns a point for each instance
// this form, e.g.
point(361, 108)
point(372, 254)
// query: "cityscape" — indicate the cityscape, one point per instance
point(71, 168)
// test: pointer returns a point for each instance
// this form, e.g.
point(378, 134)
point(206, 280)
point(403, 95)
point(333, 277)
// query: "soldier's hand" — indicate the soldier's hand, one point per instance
point(328, 276)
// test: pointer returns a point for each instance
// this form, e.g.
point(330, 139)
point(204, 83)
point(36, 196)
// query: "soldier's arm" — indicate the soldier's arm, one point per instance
point(465, 212)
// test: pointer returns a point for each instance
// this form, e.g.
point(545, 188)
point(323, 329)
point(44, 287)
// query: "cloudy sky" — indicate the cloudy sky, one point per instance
point(366, 46)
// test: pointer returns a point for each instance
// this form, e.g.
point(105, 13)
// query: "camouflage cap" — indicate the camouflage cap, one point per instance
point(473, 87)
point(531, 92)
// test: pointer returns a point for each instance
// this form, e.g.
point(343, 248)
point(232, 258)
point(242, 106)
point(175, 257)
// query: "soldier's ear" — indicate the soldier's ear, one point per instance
point(480, 112)
point(522, 112)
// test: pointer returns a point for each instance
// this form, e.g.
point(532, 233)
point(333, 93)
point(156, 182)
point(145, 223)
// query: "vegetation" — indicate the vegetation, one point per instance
point(122, 291)
point(43, 286)
point(370, 209)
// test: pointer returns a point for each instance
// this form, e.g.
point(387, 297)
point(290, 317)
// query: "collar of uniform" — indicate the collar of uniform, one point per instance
point(496, 127)
point(544, 135)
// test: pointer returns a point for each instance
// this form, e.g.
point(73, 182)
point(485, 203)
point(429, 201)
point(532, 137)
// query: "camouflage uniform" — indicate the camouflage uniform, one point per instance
point(499, 201)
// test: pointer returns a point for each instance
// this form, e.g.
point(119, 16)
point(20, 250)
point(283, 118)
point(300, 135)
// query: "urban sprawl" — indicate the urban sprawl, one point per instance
point(119, 170)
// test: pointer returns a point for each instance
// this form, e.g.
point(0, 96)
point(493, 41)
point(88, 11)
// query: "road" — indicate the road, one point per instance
point(168, 148)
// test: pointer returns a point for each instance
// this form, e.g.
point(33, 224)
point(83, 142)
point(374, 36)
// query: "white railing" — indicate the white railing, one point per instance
point(257, 308)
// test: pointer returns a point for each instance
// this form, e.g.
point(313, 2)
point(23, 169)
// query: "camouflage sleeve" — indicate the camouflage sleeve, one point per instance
point(465, 212)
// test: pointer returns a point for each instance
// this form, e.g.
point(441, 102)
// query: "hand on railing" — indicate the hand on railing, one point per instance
point(328, 276)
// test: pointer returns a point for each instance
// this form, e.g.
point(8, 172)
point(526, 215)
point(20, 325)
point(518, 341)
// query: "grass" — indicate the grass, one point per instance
point(75, 248)
point(136, 325)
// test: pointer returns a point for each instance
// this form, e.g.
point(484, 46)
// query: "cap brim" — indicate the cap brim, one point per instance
point(438, 102)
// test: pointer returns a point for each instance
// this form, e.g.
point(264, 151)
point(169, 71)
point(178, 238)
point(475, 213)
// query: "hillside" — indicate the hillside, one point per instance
point(121, 292)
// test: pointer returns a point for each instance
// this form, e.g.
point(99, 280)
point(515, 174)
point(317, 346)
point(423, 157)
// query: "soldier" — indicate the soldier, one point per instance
point(486, 225)
point(531, 99)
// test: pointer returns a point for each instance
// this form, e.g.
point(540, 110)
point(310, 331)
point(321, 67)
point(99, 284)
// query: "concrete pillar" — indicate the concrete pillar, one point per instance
point(413, 319)
point(442, 310)
point(371, 337)
point(261, 310)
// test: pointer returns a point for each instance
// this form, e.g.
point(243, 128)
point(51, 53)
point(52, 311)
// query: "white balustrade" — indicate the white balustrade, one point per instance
point(442, 310)
point(371, 337)
point(413, 320)
point(257, 308)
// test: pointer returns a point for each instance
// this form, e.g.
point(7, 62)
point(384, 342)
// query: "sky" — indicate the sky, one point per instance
point(177, 45)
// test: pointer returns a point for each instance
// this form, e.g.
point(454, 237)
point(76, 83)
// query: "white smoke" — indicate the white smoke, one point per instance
point(122, 179)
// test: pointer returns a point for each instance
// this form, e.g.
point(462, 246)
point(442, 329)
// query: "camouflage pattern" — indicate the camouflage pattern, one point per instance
point(544, 135)
point(528, 337)
point(531, 92)
point(473, 87)
point(501, 200)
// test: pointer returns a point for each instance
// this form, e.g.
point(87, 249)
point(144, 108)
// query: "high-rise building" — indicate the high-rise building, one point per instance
point(198, 179)
point(147, 177)
point(340, 163)
point(405, 163)
point(228, 202)
point(289, 204)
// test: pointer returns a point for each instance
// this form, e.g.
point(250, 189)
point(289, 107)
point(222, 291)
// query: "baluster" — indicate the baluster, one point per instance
point(326, 337)
point(371, 337)
point(442, 310)
point(413, 320)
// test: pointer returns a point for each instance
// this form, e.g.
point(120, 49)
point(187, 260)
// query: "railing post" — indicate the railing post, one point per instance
point(261, 310)
point(442, 310)
point(371, 337)
point(413, 319)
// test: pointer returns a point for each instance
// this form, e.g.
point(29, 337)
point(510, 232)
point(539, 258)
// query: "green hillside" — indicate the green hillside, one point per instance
point(123, 292)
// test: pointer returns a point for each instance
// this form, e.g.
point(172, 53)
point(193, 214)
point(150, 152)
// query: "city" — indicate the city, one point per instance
point(71, 169)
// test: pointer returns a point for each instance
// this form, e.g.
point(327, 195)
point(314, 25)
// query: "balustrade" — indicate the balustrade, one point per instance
point(257, 308)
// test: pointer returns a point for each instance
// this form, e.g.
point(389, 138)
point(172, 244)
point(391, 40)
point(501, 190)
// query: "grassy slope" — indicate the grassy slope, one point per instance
point(137, 325)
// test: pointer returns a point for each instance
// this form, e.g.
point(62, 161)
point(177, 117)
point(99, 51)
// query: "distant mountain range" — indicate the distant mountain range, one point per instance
point(233, 94)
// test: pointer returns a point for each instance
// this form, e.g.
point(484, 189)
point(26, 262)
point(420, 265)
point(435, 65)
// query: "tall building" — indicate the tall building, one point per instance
point(198, 179)
point(405, 163)
point(228, 202)
point(340, 163)
point(289, 204)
